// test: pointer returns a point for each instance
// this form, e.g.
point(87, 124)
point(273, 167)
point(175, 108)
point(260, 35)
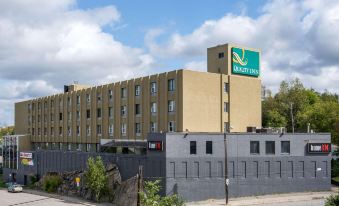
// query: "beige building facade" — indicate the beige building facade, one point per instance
point(175, 101)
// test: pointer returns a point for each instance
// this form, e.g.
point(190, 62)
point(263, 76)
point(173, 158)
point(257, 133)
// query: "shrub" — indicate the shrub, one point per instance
point(95, 176)
point(151, 198)
point(51, 183)
point(335, 168)
point(332, 200)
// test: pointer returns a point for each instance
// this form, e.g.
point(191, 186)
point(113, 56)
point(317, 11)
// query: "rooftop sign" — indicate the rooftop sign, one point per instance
point(319, 148)
point(245, 62)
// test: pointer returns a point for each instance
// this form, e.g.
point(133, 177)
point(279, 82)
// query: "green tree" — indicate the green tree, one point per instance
point(95, 176)
point(275, 119)
point(323, 116)
point(151, 197)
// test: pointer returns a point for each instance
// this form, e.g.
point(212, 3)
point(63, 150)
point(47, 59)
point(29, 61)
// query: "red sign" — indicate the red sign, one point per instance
point(155, 145)
point(319, 147)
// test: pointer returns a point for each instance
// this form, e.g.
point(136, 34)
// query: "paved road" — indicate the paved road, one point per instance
point(25, 199)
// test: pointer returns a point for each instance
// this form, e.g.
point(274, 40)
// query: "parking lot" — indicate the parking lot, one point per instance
point(25, 199)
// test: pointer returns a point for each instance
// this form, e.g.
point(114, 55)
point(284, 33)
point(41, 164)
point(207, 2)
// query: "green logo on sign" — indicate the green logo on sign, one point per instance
point(245, 62)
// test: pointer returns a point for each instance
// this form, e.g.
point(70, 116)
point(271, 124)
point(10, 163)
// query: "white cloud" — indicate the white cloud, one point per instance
point(196, 65)
point(297, 38)
point(46, 44)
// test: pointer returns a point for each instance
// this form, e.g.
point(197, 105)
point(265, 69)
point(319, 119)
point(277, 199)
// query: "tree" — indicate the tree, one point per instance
point(151, 197)
point(95, 175)
point(275, 119)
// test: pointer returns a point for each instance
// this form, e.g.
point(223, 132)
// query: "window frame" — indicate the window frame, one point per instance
point(209, 147)
point(289, 147)
point(266, 146)
point(254, 152)
point(193, 147)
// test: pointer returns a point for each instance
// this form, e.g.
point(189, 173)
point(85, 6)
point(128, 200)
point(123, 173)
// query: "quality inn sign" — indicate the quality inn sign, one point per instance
point(245, 62)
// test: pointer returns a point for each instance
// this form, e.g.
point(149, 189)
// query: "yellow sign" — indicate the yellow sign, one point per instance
point(77, 179)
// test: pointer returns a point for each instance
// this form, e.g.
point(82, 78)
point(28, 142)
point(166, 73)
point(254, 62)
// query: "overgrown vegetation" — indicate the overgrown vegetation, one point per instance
point(151, 197)
point(332, 200)
point(2, 183)
point(95, 176)
point(306, 106)
point(51, 183)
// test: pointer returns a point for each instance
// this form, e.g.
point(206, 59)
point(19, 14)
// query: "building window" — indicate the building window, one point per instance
point(39, 118)
point(99, 96)
point(69, 116)
point(225, 87)
point(137, 109)
point(171, 105)
point(52, 103)
point(88, 147)
point(99, 113)
point(123, 92)
point(254, 147)
point(45, 105)
point(171, 126)
point(270, 147)
point(78, 100)
point(45, 131)
point(171, 85)
point(60, 116)
point(78, 130)
point(39, 132)
point(88, 98)
point(110, 112)
point(45, 118)
point(69, 131)
point(225, 106)
point(153, 87)
point(285, 147)
point(209, 147)
point(52, 117)
point(78, 115)
point(153, 107)
point(137, 90)
point(69, 101)
point(39, 105)
point(110, 95)
point(33, 106)
point(33, 132)
point(69, 147)
point(52, 131)
point(61, 103)
point(88, 114)
point(60, 131)
point(221, 55)
point(123, 128)
point(99, 129)
point(193, 147)
point(123, 110)
point(88, 130)
point(137, 128)
point(153, 126)
point(110, 130)
point(226, 127)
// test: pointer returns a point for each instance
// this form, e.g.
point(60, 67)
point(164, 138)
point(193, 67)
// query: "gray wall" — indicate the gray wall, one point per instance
point(202, 176)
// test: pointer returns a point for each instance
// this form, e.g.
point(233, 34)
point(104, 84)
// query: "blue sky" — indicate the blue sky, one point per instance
point(47, 44)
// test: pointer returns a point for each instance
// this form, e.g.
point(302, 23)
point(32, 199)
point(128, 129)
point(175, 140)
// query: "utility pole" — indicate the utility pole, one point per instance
point(292, 118)
point(226, 170)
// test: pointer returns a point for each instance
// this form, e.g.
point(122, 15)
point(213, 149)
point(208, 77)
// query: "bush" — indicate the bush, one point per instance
point(51, 183)
point(151, 198)
point(332, 200)
point(95, 176)
point(335, 168)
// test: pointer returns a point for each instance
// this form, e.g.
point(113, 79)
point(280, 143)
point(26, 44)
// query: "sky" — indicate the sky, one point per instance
point(47, 44)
